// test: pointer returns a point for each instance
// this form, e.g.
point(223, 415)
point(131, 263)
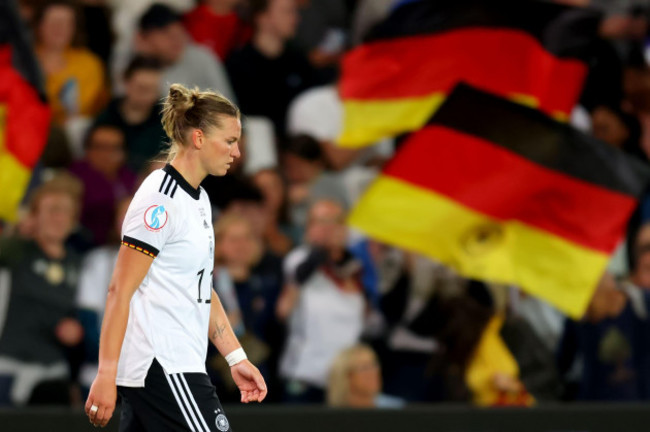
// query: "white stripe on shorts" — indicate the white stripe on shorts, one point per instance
point(191, 397)
point(180, 403)
point(188, 407)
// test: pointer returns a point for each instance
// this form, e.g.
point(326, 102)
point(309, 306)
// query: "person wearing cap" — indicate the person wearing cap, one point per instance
point(161, 35)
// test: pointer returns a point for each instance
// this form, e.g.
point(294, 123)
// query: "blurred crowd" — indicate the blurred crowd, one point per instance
point(328, 315)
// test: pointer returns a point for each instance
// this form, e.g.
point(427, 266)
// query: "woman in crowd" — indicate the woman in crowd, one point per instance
point(74, 77)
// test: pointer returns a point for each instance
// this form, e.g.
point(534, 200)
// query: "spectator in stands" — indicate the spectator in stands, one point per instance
point(39, 322)
point(640, 275)
point(247, 202)
point(355, 381)
point(137, 114)
point(618, 129)
point(318, 112)
point(324, 302)
point(124, 22)
point(162, 35)
point(414, 294)
point(612, 341)
point(286, 70)
point(106, 180)
point(304, 167)
point(545, 320)
point(248, 280)
point(277, 233)
point(535, 359)
point(75, 82)
point(322, 33)
point(216, 25)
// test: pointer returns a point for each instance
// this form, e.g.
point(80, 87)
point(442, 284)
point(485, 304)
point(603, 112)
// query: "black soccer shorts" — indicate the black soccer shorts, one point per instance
point(172, 402)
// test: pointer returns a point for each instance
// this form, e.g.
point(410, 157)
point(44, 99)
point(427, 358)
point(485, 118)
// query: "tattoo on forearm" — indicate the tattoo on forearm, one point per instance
point(218, 333)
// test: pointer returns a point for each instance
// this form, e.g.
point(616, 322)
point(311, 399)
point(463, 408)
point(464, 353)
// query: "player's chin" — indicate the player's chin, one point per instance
point(221, 171)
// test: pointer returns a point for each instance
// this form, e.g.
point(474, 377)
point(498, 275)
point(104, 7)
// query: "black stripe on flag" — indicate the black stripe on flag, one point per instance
point(541, 139)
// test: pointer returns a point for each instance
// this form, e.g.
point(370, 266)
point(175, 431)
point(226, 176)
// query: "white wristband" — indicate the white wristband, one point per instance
point(236, 356)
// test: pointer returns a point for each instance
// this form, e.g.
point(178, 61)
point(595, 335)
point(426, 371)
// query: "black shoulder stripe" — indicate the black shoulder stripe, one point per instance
point(168, 183)
point(179, 180)
point(162, 185)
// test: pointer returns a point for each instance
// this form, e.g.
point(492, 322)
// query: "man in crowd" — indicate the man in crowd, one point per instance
point(137, 114)
point(162, 36)
point(286, 70)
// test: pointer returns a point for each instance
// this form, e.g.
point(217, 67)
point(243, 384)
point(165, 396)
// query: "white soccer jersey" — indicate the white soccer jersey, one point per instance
point(169, 319)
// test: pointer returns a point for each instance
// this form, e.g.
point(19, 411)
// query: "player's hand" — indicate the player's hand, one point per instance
point(250, 381)
point(103, 395)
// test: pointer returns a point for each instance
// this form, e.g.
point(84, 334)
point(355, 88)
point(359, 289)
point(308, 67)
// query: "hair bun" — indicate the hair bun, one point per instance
point(185, 108)
point(181, 98)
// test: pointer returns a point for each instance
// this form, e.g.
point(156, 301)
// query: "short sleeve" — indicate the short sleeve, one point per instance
point(149, 222)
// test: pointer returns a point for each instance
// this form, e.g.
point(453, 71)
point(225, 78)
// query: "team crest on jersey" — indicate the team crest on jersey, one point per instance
point(222, 423)
point(155, 218)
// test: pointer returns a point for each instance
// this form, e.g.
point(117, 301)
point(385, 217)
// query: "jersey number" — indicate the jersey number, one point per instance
point(200, 275)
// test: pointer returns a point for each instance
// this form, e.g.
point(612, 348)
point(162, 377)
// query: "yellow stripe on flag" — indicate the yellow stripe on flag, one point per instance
point(478, 246)
point(533, 102)
point(367, 121)
point(525, 100)
point(14, 178)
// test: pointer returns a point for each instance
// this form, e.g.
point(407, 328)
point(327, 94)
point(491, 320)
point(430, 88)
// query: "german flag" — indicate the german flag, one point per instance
point(503, 193)
point(529, 51)
point(24, 115)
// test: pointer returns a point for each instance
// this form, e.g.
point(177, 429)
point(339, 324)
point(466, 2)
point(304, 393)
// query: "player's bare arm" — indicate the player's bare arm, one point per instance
point(131, 268)
point(248, 378)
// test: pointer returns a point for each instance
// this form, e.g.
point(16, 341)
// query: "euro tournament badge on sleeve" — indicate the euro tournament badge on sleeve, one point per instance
point(155, 218)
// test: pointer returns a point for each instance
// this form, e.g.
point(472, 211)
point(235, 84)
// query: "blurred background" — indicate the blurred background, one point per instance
point(348, 290)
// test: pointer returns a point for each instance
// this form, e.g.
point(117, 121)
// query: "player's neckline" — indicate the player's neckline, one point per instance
point(184, 184)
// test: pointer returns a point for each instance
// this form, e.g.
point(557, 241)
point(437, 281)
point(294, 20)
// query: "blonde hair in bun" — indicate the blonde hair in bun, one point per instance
point(185, 109)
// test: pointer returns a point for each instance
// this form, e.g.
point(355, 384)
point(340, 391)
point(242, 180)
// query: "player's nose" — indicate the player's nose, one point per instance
point(235, 151)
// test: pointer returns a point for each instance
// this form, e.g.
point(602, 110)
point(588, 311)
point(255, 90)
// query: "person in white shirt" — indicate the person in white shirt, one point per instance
point(161, 308)
point(323, 302)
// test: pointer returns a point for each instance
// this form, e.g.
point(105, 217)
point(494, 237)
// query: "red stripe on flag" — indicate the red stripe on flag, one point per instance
point(28, 118)
point(501, 184)
point(503, 61)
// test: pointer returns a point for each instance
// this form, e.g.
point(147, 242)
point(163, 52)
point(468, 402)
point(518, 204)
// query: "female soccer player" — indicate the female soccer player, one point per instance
point(160, 306)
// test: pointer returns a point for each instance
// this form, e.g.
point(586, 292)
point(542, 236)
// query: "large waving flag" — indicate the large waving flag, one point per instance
point(529, 51)
point(503, 193)
point(24, 116)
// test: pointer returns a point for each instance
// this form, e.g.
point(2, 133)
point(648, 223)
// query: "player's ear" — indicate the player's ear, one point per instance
point(198, 137)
